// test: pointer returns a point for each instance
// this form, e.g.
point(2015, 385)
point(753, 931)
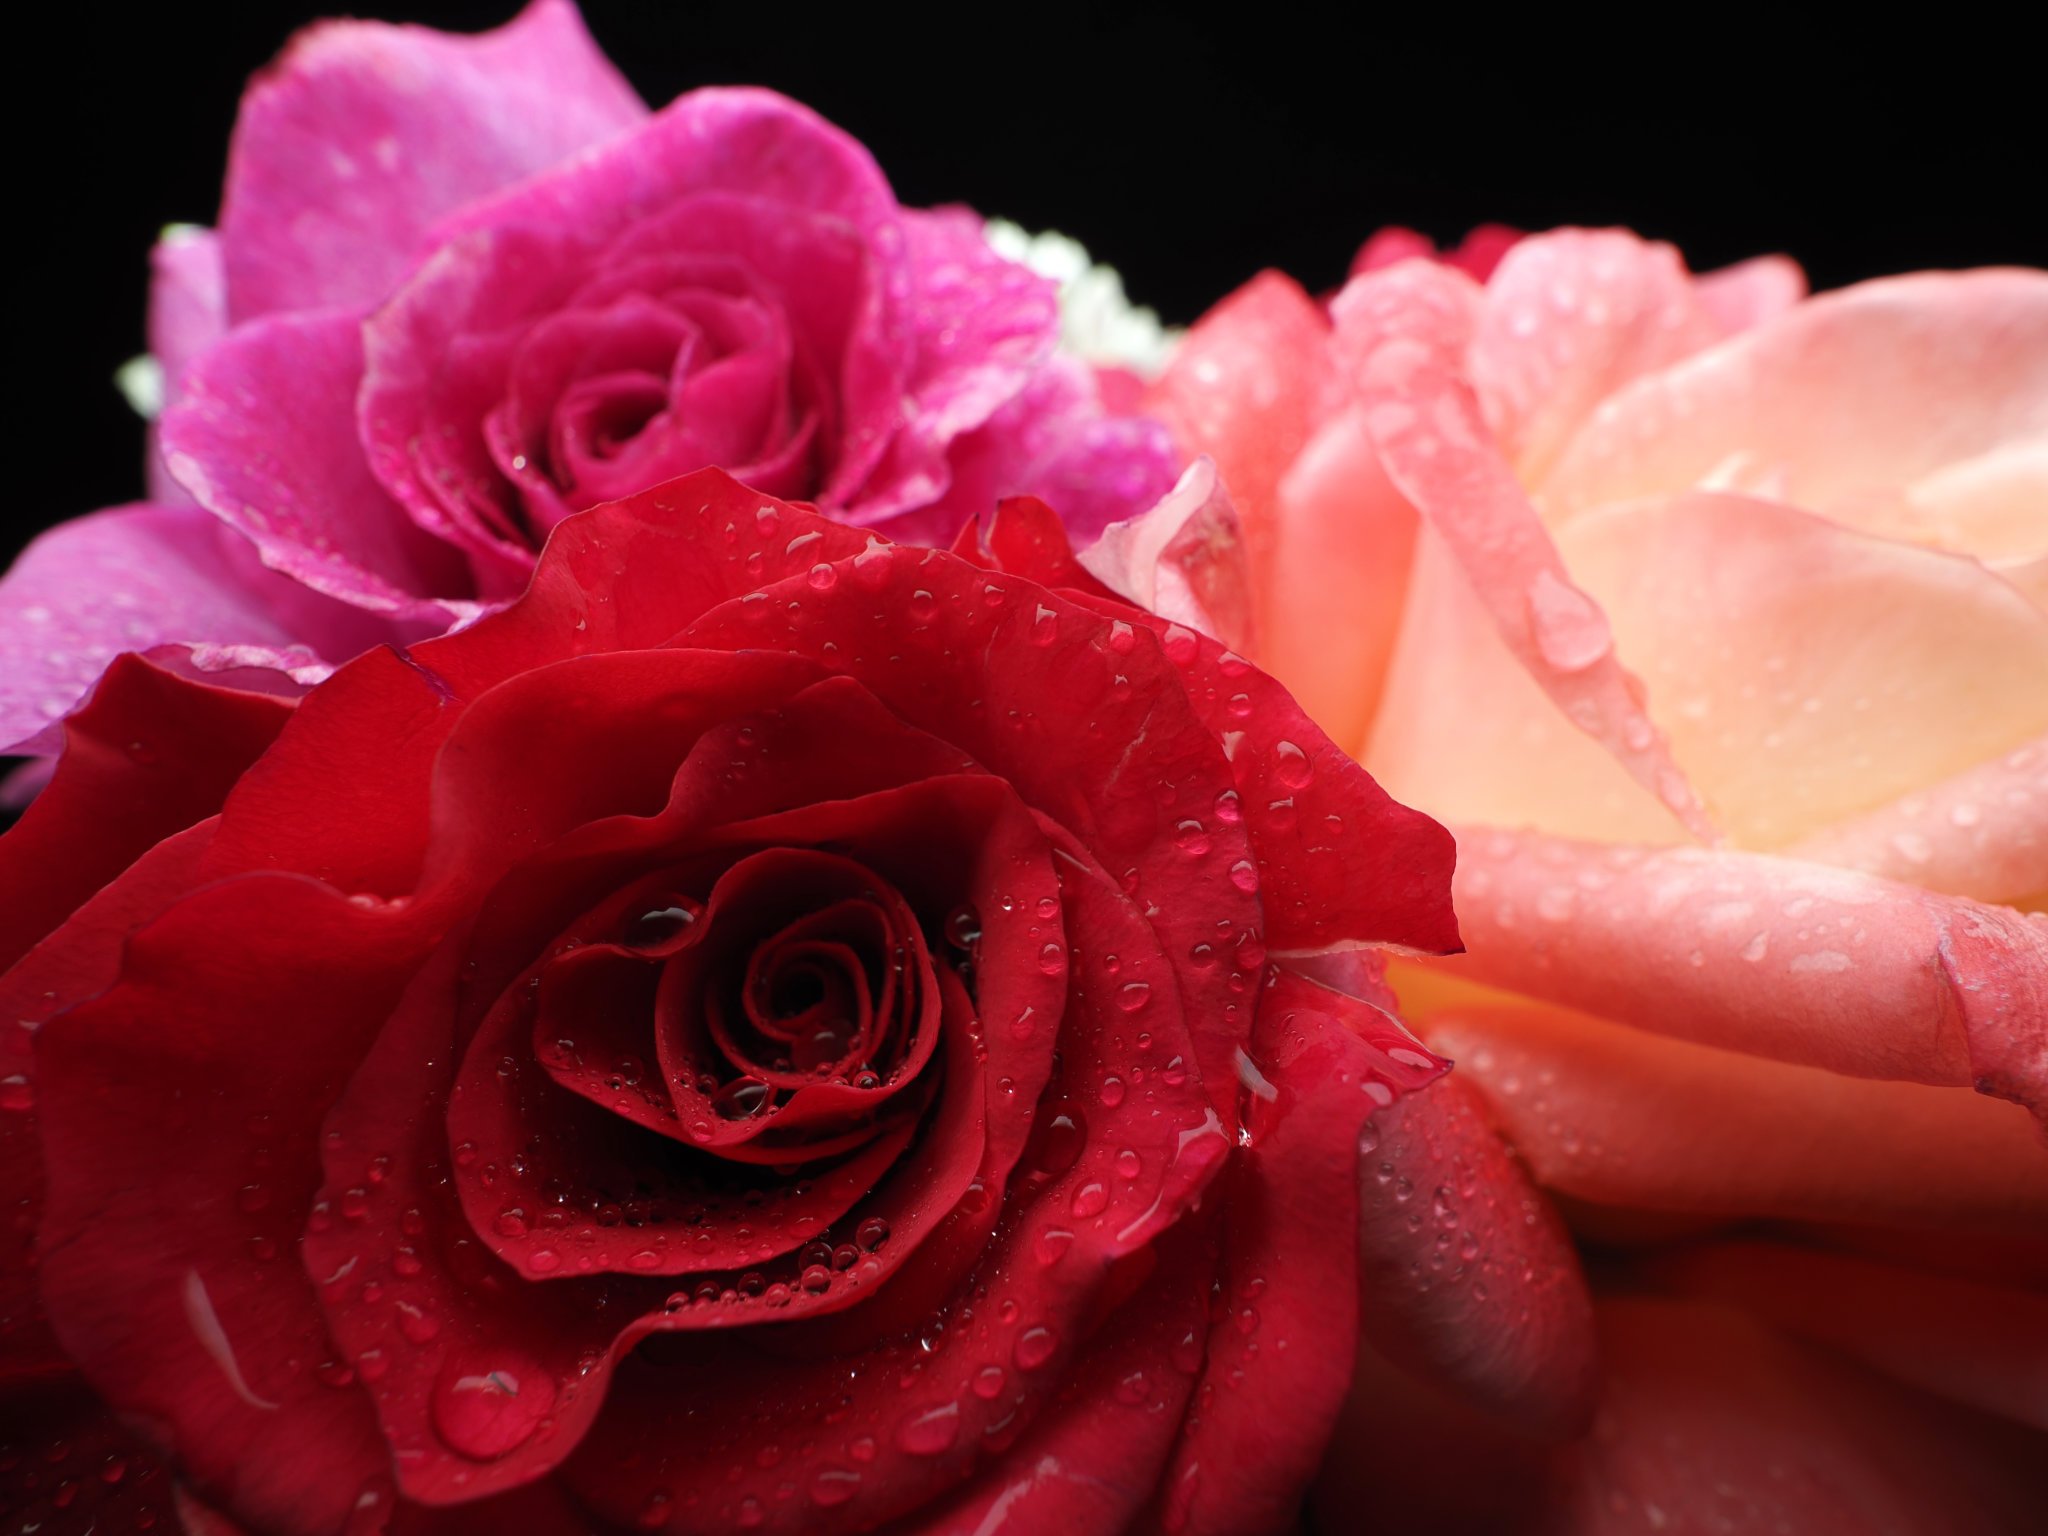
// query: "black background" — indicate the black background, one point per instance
point(1188, 153)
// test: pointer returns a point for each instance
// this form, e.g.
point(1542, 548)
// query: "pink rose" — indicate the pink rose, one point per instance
point(464, 286)
point(1716, 618)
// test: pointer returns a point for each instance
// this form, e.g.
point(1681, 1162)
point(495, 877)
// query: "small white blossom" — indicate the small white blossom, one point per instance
point(1098, 323)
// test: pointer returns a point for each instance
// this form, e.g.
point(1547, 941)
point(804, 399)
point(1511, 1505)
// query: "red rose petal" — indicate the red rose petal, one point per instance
point(69, 1467)
point(1130, 768)
point(149, 755)
point(1285, 1310)
point(178, 1112)
point(1135, 1157)
point(1483, 1294)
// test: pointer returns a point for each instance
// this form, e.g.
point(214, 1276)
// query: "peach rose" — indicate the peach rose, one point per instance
point(1715, 616)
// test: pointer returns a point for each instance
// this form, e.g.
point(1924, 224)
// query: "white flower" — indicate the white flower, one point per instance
point(1098, 323)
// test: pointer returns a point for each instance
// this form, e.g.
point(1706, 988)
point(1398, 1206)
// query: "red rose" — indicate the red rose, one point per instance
point(774, 1030)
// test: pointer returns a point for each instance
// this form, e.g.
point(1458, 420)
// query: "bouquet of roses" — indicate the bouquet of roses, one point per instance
point(704, 866)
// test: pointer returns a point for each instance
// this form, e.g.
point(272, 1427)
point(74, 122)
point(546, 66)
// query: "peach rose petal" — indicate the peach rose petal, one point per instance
point(1342, 547)
point(1621, 1117)
point(1771, 956)
point(1244, 387)
point(1400, 339)
point(1982, 833)
point(1568, 318)
point(1806, 672)
point(1458, 706)
point(1712, 1422)
point(1751, 292)
point(1846, 398)
point(1982, 1345)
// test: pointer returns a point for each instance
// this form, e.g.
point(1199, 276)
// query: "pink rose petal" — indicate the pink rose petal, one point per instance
point(361, 135)
point(1764, 955)
point(1567, 318)
point(1974, 1343)
point(1622, 1117)
point(1184, 559)
point(126, 579)
point(1917, 374)
point(188, 312)
point(265, 440)
point(1981, 833)
point(1806, 672)
point(1401, 338)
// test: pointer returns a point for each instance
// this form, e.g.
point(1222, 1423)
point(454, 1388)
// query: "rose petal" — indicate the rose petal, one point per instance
point(352, 747)
point(1770, 956)
point(1343, 543)
point(979, 326)
point(1706, 1412)
point(1284, 1308)
point(1400, 339)
point(149, 755)
point(1183, 560)
point(1613, 1115)
point(125, 579)
point(265, 439)
point(361, 135)
point(1244, 388)
point(1982, 1345)
point(178, 1129)
point(912, 1418)
point(1426, 750)
point(1502, 1318)
point(78, 960)
point(1569, 317)
point(1847, 670)
point(1981, 833)
point(69, 1465)
point(188, 312)
point(1750, 293)
point(1092, 1460)
point(742, 140)
point(1919, 373)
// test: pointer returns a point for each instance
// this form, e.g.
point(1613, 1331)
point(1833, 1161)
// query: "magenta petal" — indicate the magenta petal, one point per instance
point(748, 141)
point(265, 440)
point(362, 135)
point(188, 312)
point(126, 579)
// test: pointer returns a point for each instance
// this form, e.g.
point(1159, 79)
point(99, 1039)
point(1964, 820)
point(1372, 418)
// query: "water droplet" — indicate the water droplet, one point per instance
point(1133, 995)
point(988, 1382)
point(963, 927)
point(930, 1431)
point(1034, 1347)
point(17, 1093)
point(489, 1410)
point(1052, 959)
point(1112, 1092)
point(834, 1485)
point(742, 1098)
point(1090, 1199)
point(1291, 765)
point(1244, 875)
point(823, 577)
point(658, 925)
point(1045, 626)
point(872, 1233)
point(922, 606)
